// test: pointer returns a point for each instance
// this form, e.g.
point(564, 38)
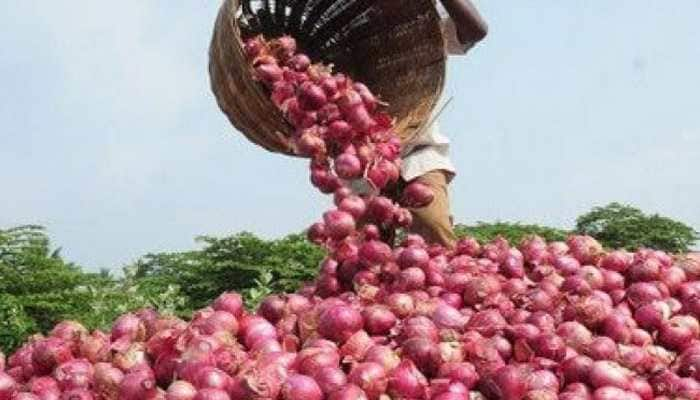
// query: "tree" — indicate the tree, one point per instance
point(513, 232)
point(622, 226)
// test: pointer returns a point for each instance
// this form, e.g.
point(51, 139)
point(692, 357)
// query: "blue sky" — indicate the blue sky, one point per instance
point(111, 138)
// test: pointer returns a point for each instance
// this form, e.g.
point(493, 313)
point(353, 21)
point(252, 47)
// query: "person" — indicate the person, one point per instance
point(426, 158)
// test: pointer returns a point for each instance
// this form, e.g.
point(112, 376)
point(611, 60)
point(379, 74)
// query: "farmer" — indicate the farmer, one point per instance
point(426, 158)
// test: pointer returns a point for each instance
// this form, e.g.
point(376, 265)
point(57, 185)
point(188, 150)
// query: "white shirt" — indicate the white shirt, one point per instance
point(430, 150)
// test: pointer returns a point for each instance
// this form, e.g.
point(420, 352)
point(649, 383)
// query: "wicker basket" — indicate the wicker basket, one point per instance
point(394, 46)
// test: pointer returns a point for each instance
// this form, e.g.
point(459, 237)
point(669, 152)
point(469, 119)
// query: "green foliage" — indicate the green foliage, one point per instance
point(238, 262)
point(514, 232)
point(622, 226)
point(38, 289)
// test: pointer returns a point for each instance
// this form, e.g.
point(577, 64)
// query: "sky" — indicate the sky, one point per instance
point(111, 138)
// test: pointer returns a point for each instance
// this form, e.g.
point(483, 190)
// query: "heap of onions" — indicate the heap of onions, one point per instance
point(563, 320)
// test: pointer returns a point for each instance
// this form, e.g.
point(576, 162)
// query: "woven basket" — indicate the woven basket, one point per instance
point(393, 46)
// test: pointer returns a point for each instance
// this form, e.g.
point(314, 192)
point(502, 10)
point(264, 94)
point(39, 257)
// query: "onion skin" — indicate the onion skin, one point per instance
point(371, 378)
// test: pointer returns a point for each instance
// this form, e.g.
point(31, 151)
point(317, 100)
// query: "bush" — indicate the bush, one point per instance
point(240, 262)
point(622, 226)
point(513, 232)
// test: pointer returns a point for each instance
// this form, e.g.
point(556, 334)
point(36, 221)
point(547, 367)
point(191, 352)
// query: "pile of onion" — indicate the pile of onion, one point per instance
point(384, 320)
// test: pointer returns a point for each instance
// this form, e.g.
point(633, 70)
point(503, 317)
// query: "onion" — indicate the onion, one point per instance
point(212, 394)
point(543, 380)
point(313, 359)
point(463, 372)
point(8, 386)
point(339, 224)
point(137, 385)
point(330, 379)
point(508, 383)
point(617, 328)
point(49, 353)
point(401, 304)
point(348, 166)
point(602, 348)
point(349, 392)
point(610, 393)
point(618, 260)
point(229, 302)
point(424, 353)
point(301, 387)
point(549, 346)
point(339, 323)
point(406, 381)
point(379, 320)
point(381, 210)
point(181, 390)
point(575, 334)
point(479, 288)
point(74, 374)
point(411, 279)
point(609, 373)
point(646, 271)
point(576, 369)
point(413, 256)
point(210, 377)
point(652, 315)
point(383, 355)
point(678, 332)
point(374, 252)
point(417, 195)
point(487, 322)
point(370, 377)
point(566, 265)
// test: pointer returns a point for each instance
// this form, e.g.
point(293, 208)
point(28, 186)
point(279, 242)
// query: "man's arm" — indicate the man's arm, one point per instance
point(471, 27)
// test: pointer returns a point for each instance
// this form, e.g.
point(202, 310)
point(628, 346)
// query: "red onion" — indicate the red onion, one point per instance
point(479, 288)
point(349, 392)
point(370, 377)
point(137, 385)
point(508, 383)
point(348, 166)
point(448, 317)
point(609, 373)
point(330, 379)
point(602, 348)
point(74, 374)
point(229, 302)
point(25, 396)
point(576, 369)
point(374, 252)
point(542, 320)
point(339, 224)
point(411, 279)
point(549, 346)
point(487, 322)
point(212, 394)
point(543, 380)
point(49, 353)
point(646, 271)
point(401, 304)
point(383, 355)
point(610, 393)
point(417, 195)
point(566, 265)
point(678, 332)
point(574, 334)
point(181, 390)
point(210, 377)
point(413, 256)
point(463, 372)
point(406, 381)
point(424, 353)
point(642, 388)
point(8, 386)
point(378, 319)
point(312, 359)
point(301, 387)
point(339, 323)
point(381, 210)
